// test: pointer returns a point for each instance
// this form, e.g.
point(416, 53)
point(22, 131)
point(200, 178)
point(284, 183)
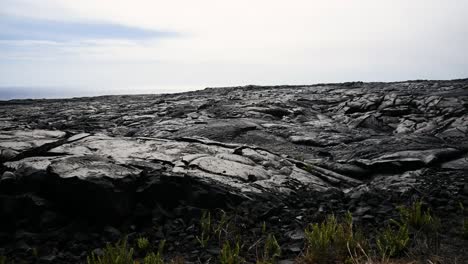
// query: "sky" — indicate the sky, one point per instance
point(63, 48)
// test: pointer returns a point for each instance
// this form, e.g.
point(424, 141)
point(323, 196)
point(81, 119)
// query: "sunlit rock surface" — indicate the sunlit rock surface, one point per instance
point(246, 141)
point(285, 154)
point(250, 140)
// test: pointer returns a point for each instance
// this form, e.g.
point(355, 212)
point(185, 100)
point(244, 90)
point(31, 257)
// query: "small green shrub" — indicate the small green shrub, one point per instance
point(320, 238)
point(142, 243)
point(393, 242)
point(119, 253)
point(156, 258)
point(271, 250)
point(205, 229)
point(230, 255)
point(331, 241)
point(422, 220)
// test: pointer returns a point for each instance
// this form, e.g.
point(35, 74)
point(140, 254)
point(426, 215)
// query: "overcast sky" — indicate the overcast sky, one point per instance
point(87, 47)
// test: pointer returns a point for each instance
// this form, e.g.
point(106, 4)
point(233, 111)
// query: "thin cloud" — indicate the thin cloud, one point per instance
point(16, 28)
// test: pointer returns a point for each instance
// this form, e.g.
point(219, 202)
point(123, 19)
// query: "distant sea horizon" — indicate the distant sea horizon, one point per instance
point(63, 92)
point(43, 92)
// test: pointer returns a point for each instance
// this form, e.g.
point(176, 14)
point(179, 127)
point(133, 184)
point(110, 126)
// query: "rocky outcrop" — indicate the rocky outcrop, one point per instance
point(113, 159)
point(251, 140)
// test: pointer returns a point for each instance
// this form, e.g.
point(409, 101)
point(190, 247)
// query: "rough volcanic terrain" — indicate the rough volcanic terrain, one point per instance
point(79, 173)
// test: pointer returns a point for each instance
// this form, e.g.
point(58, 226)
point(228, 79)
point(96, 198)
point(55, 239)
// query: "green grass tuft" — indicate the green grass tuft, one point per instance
point(230, 254)
point(119, 253)
point(156, 258)
point(142, 243)
point(416, 217)
point(271, 250)
point(331, 241)
point(205, 229)
point(153, 258)
point(393, 242)
point(222, 225)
